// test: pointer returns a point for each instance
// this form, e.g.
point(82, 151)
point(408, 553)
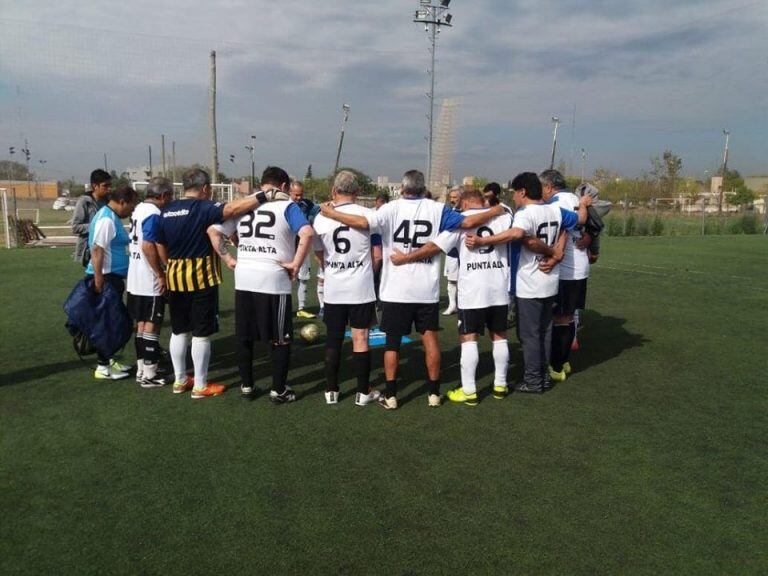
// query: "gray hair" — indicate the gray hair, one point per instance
point(159, 187)
point(195, 179)
point(413, 183)
point(553, 178)
point(346, 183)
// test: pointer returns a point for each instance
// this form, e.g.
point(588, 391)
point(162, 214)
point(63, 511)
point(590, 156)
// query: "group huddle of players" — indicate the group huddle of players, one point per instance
point(534, 258)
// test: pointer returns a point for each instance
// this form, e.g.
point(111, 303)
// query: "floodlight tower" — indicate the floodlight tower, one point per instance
point(556, 122)
point(345, 109)
point(727, 135)
point(434, 16)
point(252, 150)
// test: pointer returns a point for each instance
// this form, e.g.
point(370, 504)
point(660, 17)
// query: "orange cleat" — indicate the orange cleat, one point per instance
point(210, 390)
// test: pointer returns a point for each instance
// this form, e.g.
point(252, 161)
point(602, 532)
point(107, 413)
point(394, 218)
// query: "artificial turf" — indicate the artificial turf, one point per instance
point(650, 459)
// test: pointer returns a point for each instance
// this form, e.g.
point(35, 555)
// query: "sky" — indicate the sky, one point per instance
point(628, 80)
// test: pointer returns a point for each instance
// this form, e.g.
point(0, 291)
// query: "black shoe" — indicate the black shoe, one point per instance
point(287, 395)
point(526, 389)
point(247, 393)
point(155, 382)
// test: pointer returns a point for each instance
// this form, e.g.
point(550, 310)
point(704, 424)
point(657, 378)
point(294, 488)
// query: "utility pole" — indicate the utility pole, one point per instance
point(173, 160)
point(27, 155)
point(11, 152)
point(252, 150)
point(433, 16)
point(214, 143)
point(150, 161)
point(583, 163)
point(725, 172)
point(162, 151)
point(556, 122)
point(105, 163)
point(345, 108)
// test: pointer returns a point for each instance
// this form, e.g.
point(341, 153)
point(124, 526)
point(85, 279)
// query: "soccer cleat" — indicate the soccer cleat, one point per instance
point(332, 397)
point(301, 313)
point(209, 390)
point(557, 376)
point(139, 372)
point(109, 373)
point(181, 387)
point(287, 395)
point(499, 392)
point(246, 391)
point(567, 368)
point(450, 310)
point(528, 389)
point(155, 382)
point(365, 399)
point(457, 395)
point(115, 365)
point(434, 400)
point(388, 403)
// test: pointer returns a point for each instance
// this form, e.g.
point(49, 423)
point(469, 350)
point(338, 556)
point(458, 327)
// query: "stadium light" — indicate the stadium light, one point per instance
point(727, 135)
point(345, 109)
point(556, 122)
point(433, 16)
point(252, 150)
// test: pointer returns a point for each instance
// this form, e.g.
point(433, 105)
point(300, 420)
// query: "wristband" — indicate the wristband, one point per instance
point(261, 197)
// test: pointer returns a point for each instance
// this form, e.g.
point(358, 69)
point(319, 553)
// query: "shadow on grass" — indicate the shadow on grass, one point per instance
point(44, 370)
point(603, 338)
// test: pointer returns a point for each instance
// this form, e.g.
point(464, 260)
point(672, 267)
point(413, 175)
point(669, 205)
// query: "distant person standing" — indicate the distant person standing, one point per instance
point(85, 209)
point(108, 245)
point(451, 265)
point(310, 210)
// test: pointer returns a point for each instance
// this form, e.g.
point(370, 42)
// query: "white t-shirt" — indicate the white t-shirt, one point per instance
point(407, 224)
point(483, 271)
point(267, 237)
point(141, 277)
point(575, 264)
point(542, 221)
point(347, 254)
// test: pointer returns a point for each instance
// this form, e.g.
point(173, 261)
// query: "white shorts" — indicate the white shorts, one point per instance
point(451, 270)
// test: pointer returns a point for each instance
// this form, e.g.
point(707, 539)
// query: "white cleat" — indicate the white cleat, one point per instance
point(332, 397)
point(365, 399)
point(435, 400)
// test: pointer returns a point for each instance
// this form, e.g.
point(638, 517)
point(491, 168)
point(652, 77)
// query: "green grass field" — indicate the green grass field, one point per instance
point(650, 459)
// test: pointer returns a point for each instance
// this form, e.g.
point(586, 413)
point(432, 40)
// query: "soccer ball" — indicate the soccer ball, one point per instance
point(309, 333)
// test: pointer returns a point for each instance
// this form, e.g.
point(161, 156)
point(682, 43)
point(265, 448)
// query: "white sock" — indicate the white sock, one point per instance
point(321, 294)
point(201, 356)
point(501, 362)
point(452, 291)
point(469, 360)
point(301, 294)
point(178, 348)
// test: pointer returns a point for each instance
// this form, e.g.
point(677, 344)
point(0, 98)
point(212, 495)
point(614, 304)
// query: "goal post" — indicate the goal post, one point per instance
point(220, 192)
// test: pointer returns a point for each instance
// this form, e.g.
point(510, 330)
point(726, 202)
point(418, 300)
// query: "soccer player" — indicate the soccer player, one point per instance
point(410, 294)
point(310, 210)
point(268, 258)
point(108, 244)
point(146, 281)
point(193, 276)
point(534, 289)
point(451, 266)
point(574, 272)
point(483, 281)
point(492, 194)
point(85, 209)
point(347, 257)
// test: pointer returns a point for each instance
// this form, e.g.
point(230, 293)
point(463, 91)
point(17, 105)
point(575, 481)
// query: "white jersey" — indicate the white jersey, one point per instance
point(483, 271)
point(575, 264)
point(347, 254)
point(543, 221)
point(141, 277)
point(407, 224)
point(267, 237)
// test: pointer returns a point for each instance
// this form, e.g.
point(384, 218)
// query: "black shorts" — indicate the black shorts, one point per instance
point(337, 316)
point(146, 308)
point(475, 320)
point(397, 317)
point(263, 317)
point(571, 296)
point(196, 312)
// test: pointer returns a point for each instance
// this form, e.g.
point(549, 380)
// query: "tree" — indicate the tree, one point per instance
point(15, 170)
point(666, 171)
point(308, 175)
point(732, 180)
point(742, 196)
point(119, 181)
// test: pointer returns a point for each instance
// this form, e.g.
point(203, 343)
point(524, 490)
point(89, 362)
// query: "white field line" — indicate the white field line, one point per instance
point(671, 272)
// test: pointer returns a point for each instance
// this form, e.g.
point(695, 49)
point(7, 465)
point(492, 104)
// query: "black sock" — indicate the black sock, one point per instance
point(571, 337)
point(151, 348)
point(363, 370)
point(138, 344)
point(391, 388)
point(434, 386)
point(332, 358)
point(280, 357)
point(560, 342)
point(245, 362)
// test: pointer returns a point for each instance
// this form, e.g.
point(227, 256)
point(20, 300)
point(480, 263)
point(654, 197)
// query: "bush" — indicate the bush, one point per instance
point(629, 226)
point(657, 226)
point(614, 227)
point(747, 224)
point(642, 228)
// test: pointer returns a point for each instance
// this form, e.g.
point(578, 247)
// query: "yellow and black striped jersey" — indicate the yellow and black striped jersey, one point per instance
point(193, 274)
